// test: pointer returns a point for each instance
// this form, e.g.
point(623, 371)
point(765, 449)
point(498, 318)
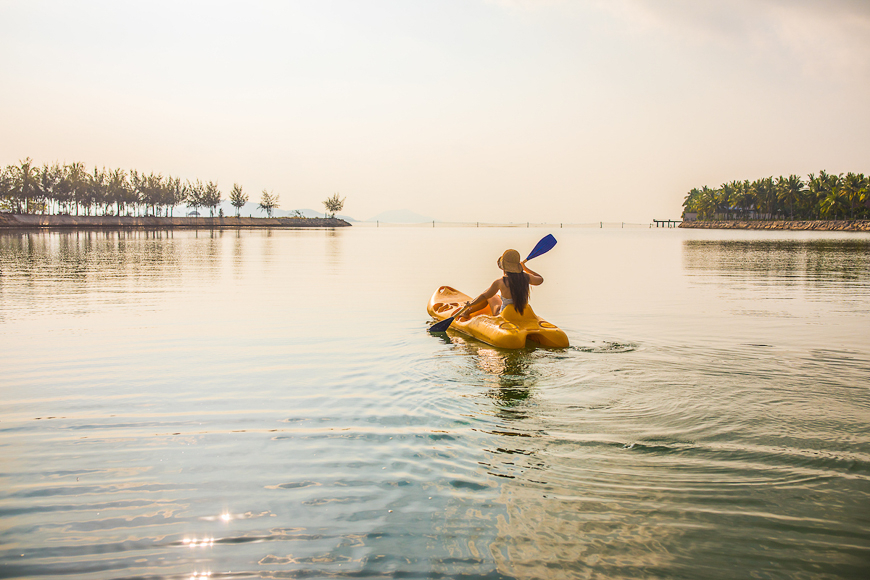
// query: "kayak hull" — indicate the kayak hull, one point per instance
point(510, 329)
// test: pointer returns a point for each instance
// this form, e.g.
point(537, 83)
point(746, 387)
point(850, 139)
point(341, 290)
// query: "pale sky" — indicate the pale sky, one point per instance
point(474, 110)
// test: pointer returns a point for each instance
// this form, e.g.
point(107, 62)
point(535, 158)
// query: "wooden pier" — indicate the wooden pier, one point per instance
point(667, 223)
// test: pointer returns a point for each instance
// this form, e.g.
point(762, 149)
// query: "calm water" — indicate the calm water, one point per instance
point(269, 405)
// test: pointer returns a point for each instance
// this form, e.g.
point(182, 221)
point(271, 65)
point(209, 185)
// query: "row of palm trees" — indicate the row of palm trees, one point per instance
point(71, 189)
point(826, 196)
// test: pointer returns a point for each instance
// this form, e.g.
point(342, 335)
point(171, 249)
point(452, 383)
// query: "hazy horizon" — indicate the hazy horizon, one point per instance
point(498, 111)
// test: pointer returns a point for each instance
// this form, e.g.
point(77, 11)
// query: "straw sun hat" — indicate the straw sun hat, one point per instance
point(510, 262)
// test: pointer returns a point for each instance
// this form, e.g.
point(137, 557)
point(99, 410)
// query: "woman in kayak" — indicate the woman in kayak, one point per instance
point(513, 287)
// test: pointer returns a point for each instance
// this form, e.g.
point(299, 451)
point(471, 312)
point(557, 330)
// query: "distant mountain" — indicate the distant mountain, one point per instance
point(400, 216)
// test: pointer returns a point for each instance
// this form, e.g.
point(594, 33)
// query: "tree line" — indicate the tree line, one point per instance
point(826, 196)
point(71, 189)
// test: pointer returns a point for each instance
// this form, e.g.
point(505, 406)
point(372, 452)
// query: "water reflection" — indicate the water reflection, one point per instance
point(82, 253)
point(509, 374)
point(193, 429)
point(789, 261)
point(514, 376)
point(334, 248)
point(561, 500)
point(53, 271)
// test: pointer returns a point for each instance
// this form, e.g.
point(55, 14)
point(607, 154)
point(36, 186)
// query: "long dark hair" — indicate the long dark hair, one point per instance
point(518, 282)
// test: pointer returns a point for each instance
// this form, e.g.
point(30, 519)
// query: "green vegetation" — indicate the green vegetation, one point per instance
point(268, 202)
point(238, 198)
point(827, 196)
point(71, 190)
point(333, 204)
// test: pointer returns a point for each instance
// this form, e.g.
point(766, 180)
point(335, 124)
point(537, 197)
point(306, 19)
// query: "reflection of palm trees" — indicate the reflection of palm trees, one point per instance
point(816, 262)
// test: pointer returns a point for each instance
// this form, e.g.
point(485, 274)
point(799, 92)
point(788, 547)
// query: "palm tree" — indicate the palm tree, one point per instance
point(757, 189)
point(735, 189)
point(864, 194)
point(117, 189)
point(62, 193)
point(742, 198)
point(75, 183)
point(821, 189)
point(788, 190)
point(25, 185)
point(833, 202)
point(49, 179)
point(6, 188)
point(765, 196)
point(98, 190)
point(708, 203)
point(852, 185)
point(815, 194)
point(835, 182)
point(723, 196)
point(692, 202)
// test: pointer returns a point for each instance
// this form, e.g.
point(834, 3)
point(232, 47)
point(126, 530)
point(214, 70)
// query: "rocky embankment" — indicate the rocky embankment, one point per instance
point(820, 225)
point(28, 221)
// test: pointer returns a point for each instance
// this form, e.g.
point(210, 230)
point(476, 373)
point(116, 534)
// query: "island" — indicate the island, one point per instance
point(827, 201)
point(57, 196)
point(31, 221)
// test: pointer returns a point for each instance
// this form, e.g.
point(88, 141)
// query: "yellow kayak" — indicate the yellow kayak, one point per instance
point(510, 329)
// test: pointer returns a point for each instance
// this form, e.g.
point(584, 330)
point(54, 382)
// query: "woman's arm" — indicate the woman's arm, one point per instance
point(535, 279)
point(481, 300)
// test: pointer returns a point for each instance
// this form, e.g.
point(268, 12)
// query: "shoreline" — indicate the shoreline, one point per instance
point(800, 225)
point(33, 221)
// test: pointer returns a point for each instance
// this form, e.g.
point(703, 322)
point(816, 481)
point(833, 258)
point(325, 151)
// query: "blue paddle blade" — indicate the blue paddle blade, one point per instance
point(442, 326)
point(545, 245)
